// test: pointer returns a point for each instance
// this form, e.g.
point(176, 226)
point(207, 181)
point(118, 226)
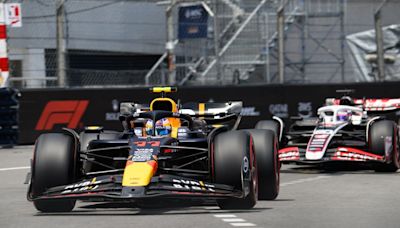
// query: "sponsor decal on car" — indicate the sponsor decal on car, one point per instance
point(142, 154)
point(82, 187)
point(192, 185)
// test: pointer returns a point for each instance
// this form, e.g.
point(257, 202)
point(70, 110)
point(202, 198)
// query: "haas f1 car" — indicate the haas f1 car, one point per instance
point(166, 151)
point(346, 130)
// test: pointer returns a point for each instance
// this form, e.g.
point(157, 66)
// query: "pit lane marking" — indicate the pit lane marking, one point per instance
point(15, 168)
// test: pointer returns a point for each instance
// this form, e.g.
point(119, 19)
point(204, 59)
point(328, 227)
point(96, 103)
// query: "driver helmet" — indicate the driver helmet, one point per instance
point(343, 115)
point(163, 127)
point(346, 100)
point(149, 127)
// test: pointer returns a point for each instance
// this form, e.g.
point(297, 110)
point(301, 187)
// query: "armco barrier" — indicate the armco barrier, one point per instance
point(50, 110)
point(9, 106)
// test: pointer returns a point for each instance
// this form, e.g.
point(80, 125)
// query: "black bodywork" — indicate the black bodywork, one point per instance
point(184, 164)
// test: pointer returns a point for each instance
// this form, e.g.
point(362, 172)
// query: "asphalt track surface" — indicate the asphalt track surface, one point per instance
point(309, 198)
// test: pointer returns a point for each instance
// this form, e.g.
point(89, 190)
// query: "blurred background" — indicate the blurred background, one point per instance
point(74, 61)
point(128, 43)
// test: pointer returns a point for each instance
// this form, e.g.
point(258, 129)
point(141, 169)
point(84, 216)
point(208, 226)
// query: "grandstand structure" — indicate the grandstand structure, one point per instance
point(242, 47)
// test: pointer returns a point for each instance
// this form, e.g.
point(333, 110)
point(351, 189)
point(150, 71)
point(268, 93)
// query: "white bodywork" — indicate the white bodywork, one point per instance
point(329, 124)
point(356, 116)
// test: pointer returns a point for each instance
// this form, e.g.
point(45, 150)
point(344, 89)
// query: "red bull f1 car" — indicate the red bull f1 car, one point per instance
point(346, 130)
point(166, 151)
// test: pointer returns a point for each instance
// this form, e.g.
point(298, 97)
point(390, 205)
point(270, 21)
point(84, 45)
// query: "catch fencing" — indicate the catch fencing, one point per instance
point(9, 123)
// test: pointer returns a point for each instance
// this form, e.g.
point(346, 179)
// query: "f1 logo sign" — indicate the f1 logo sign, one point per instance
point(67, 112)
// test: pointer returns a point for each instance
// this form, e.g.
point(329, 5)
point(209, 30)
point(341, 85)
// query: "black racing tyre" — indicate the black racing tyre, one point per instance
point(232, 153)
point(55, 163)
point(269, 125)
point(268, 165)
point(379, 132)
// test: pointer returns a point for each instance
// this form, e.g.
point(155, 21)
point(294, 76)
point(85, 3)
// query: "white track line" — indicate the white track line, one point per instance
point(299, 181)
point(225, 216)
point(233, 220)
point(15, 168)
point(243, 224)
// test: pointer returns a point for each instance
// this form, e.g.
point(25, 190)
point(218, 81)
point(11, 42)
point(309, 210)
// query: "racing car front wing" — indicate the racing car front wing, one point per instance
point(296, 154)
point(109, 187)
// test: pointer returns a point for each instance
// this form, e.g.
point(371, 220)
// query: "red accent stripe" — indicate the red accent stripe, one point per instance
point(3, 31)
point(167, 151)
point(4, 64)
point(357, 151)
point(154, 165)
point(288, 149)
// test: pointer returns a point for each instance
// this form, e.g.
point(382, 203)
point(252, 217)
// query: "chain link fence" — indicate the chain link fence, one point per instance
point(108, 42)
point(121, 43)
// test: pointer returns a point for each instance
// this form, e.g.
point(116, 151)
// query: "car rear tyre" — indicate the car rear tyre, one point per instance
point(381, 135)
point(268, 165)
point(55, 163)
point(234, 161)
point(269, 125)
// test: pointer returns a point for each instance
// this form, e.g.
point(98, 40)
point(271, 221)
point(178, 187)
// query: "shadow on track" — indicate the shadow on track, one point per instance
point(129, 209)
point(332, 169)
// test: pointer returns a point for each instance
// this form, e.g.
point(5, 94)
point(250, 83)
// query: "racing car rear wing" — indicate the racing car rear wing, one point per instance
point(192, 108)
point(212, 109)
point(127, 108)
point(371, 105)
point(226, 114)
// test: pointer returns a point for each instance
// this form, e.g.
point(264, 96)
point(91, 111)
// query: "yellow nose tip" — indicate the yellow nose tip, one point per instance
point(138, 173)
